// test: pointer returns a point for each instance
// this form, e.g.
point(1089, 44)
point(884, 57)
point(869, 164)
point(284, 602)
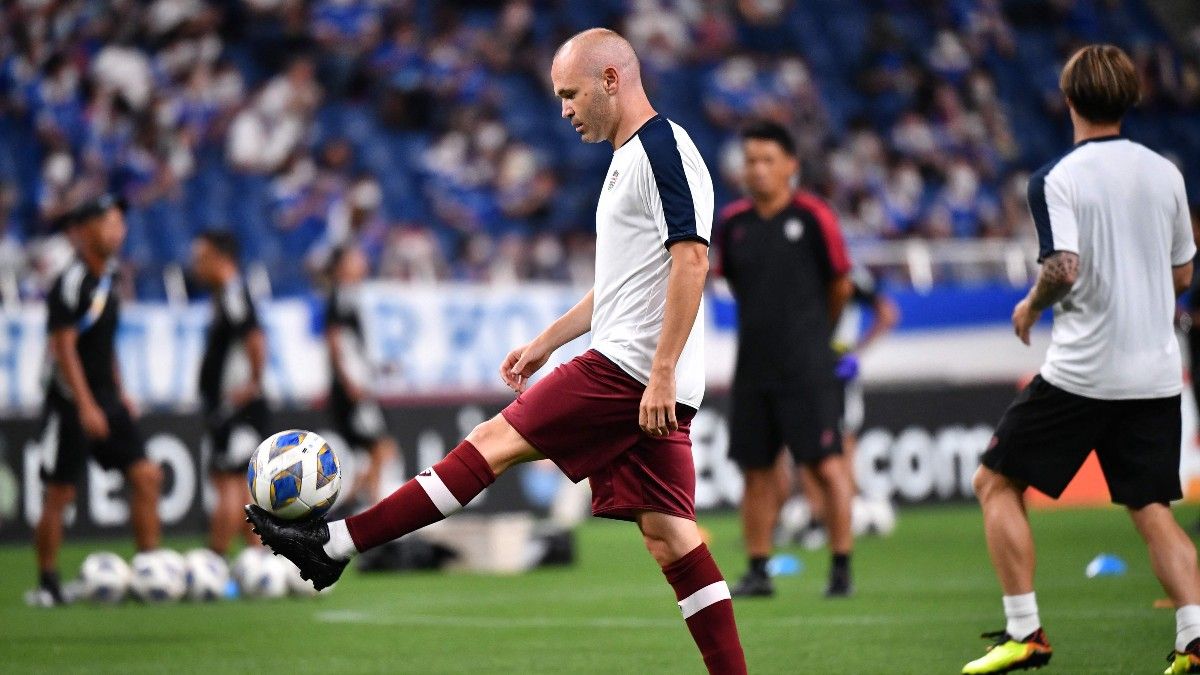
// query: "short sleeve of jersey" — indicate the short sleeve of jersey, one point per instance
point(721, 237)
point(1050, 205)
point(721, 243)
point(836, 255)
point(239, 311)
point(66, 306)
point(1183, 242)
point(676, 185)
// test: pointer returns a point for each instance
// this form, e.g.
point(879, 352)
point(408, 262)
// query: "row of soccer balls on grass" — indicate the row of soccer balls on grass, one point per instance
point(164, 576)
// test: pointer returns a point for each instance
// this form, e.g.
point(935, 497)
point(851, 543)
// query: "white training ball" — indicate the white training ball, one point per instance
point(105, 577)
point(860, 517)
point(260, 574)
point(207, 575)
point(158, 576)
point(794, 517)
point(298, 586)
point(883, 516)
point(294, 474)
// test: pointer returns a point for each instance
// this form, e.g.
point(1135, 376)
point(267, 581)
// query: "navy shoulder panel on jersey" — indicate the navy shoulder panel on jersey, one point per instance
point(1036, 194)
point(658, 140)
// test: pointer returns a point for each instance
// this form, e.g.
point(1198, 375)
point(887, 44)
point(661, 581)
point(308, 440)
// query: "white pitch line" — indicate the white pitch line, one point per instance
point(490, 622)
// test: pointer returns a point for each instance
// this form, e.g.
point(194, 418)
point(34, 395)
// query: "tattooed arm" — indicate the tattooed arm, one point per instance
point(1058, 275)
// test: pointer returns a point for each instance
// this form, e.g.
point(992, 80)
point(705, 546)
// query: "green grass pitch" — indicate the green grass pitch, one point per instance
point(923, 595)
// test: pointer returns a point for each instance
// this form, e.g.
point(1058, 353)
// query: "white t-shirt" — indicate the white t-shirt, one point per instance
point(1123, 209)
point(657, 192)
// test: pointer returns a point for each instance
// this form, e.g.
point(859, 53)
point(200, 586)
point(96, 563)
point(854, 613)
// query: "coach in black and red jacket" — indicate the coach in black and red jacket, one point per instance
point(782, 252)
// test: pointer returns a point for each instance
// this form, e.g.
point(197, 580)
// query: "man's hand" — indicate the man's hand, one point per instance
point(521, 363)
point(130, 406)
point(93, 420)
point(656, 415)
point(1023, 318)
point(239, 397)
point(354, 392)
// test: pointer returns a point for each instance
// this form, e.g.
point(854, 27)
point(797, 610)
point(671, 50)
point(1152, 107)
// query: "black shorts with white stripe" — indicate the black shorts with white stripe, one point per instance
point(65, 448)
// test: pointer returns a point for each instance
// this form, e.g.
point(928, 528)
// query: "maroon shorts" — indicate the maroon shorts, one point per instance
point(584, 417)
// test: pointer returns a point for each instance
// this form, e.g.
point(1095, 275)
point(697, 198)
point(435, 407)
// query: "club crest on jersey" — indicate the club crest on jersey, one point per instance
point(612, 180)
point(793, 229)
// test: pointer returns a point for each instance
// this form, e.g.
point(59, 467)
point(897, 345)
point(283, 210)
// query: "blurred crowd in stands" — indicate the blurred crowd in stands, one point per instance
point(427, 131)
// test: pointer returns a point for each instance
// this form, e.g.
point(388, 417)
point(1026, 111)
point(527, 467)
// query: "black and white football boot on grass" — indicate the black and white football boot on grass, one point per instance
point(301, 541)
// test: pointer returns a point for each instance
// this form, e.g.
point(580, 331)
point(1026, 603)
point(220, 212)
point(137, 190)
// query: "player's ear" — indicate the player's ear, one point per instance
point(611, 80)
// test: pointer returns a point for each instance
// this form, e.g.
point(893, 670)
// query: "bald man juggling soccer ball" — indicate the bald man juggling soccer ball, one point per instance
point(618, 415)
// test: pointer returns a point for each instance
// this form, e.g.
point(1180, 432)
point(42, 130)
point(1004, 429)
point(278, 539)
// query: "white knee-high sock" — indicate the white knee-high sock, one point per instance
point(340, 546)
point(1022, 614)
point(1187, 626)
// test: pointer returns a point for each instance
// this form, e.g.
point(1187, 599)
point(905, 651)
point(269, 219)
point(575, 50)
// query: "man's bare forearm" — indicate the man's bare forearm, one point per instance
point(1055, 280)
point(576, 322)
point(117, 379)
point(256, 350)
point(887, 315)
point(685, 288)
point(62, 347)
point(333, 342)
point(1181, 276)
point(840, 290)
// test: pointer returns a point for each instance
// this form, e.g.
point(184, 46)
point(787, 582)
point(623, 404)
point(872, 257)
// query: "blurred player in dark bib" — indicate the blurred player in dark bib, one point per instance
point(782, 252)
point(231, 384)
point(356, 415)
point(86, 413)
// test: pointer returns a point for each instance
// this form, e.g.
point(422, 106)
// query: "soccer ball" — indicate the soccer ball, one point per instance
point(860, 517)
point(873, 517)
point(207, 575)
point(883, 517)
point(793, 520)
point(105, 577)
point(158, 576)
point(298, 586)
point(294, 474)
point(260, 574)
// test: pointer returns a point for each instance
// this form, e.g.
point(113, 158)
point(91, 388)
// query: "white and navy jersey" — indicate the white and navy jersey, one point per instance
point(342, 315)
point(1123, 209)
point(87, 303)
point(226, 365)
point(657, 192)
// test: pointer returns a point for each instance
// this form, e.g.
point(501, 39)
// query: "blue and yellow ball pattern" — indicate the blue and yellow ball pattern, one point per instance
point(294, 474)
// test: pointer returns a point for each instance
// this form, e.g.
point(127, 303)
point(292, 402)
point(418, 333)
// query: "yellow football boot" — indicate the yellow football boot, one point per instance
point(1008, 654)
point(1184, 662)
